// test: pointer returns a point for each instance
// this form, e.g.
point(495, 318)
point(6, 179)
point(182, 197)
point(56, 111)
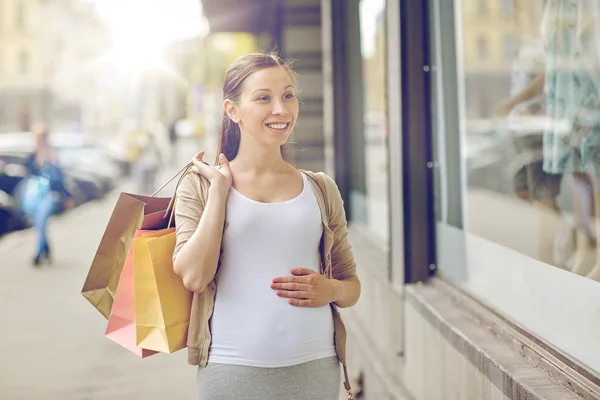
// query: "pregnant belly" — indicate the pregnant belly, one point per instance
point(270, 333)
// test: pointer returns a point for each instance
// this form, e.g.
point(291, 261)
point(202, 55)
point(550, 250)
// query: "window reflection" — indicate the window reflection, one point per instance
point(532, 109)
point(373, 42)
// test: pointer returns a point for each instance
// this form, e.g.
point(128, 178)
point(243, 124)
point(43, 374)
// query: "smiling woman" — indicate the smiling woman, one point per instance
point(283, 263)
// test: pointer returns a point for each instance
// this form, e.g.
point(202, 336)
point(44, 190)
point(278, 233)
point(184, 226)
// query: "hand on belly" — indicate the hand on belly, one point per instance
point(306, 288)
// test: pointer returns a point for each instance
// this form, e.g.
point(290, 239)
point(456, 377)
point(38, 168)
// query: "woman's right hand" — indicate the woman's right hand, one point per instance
point(220, 178)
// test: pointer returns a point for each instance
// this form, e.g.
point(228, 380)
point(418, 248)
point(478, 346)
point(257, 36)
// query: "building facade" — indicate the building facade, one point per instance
point(430, 115)
point(42, 70)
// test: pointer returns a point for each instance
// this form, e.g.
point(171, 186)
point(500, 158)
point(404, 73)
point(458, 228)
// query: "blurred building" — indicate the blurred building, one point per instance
point(191, 87)
point(43, 72)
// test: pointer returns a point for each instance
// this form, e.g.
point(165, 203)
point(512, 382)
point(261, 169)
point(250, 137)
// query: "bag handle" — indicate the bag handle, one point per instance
point(183, 172)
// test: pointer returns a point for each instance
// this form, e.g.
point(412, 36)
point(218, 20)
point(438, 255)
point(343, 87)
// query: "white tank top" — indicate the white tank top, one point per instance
point(250, 324)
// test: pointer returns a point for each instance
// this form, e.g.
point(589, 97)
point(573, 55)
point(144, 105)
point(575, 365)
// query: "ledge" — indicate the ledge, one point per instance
point(516, 363)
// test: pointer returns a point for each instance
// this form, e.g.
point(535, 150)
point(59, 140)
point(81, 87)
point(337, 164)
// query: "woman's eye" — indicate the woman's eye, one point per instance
point(264, 98)
point(289, 96)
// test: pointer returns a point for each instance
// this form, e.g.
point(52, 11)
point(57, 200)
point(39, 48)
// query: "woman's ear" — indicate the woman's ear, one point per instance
point(231, 110)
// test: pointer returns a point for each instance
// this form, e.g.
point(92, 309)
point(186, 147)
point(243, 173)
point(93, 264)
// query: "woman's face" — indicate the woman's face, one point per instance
point(268, 107)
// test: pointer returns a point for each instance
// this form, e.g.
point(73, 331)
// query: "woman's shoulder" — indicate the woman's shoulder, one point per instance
point(328, 182)
point(194, 183)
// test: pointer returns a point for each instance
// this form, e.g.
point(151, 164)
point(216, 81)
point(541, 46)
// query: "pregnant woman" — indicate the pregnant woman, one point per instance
point(264, 248)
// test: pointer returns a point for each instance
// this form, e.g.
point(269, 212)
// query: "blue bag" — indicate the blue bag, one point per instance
point(36, 189)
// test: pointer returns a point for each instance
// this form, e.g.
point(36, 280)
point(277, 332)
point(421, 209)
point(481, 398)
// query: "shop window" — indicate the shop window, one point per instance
point(373, 49)
point(519, 147)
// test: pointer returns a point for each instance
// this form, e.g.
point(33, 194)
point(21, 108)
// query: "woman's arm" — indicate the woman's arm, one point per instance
point(307, 288)
point(347, 291)
point(342, 258)
point(199, 233)
point(534, 88)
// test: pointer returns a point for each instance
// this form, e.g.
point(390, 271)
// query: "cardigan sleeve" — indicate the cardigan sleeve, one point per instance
point(342, 257)
point(190, 202)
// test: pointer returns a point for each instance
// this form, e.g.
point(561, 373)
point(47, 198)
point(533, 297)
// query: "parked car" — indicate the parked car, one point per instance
point(82, 185)
point(75, 150)
point(10, 219)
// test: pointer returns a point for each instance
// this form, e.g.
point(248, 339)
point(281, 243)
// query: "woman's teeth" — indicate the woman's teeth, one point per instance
point(278, 126)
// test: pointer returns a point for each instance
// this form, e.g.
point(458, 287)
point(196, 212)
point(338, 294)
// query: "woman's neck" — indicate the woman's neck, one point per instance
point(258, 159)
point(258, 163)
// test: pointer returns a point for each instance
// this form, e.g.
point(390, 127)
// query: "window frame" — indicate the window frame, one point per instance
point(417, 157)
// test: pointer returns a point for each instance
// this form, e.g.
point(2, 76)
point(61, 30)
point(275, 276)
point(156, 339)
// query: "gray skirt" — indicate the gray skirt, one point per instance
point(313, 380)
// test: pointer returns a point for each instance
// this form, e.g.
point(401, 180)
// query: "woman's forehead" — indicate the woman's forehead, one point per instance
point(275, 78)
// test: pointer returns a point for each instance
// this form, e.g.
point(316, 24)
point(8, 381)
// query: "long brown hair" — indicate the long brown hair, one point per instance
point(240, 69)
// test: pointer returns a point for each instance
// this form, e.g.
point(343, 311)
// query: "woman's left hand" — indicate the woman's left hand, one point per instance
point(306, 288)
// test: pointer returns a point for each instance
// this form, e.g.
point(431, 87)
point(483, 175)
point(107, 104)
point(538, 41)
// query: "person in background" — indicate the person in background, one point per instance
point(45, 177)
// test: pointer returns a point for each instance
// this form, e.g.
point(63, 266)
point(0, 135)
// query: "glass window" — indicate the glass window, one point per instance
point(373, 48)
point(528, 129)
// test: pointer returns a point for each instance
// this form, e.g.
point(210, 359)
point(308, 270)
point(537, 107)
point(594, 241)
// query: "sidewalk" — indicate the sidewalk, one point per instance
point(52, 344)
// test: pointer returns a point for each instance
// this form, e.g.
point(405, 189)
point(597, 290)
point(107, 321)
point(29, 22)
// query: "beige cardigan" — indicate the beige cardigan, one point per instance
point(337, 260)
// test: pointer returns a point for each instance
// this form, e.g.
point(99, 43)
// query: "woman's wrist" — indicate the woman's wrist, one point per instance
point(337, 291)
point(218, 190)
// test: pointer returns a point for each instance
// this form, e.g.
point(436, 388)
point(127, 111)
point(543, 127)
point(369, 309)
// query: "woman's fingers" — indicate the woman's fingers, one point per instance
point(294, 295)
point(289, 286)
point(201, 167)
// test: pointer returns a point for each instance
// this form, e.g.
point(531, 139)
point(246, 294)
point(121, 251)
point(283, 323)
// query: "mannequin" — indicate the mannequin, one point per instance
point(572, 89)
point(530, 182)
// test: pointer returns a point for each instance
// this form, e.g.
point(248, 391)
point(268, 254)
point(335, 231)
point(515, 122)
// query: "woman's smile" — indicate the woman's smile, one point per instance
point(278, 127)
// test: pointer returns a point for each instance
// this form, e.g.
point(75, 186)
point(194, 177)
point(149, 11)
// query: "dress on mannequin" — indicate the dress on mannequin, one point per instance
point(572, 135)
point(530, 182)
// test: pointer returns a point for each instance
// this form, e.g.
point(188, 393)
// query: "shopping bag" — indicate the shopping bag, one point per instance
point(132, 212)
point(121, 322)
point(162, 303)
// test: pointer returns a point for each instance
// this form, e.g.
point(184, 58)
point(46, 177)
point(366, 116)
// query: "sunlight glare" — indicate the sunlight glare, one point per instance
point(141, 30)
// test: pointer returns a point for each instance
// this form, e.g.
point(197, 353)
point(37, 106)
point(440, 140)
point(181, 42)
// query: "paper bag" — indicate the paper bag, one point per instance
point(162, 303)
point(121, 323)
point(132, 212)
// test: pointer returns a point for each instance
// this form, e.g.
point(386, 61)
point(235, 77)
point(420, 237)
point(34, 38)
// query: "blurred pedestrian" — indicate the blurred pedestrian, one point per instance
point(44, 190)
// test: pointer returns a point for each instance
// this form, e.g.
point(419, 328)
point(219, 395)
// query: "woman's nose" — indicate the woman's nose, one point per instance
point(279, 108)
